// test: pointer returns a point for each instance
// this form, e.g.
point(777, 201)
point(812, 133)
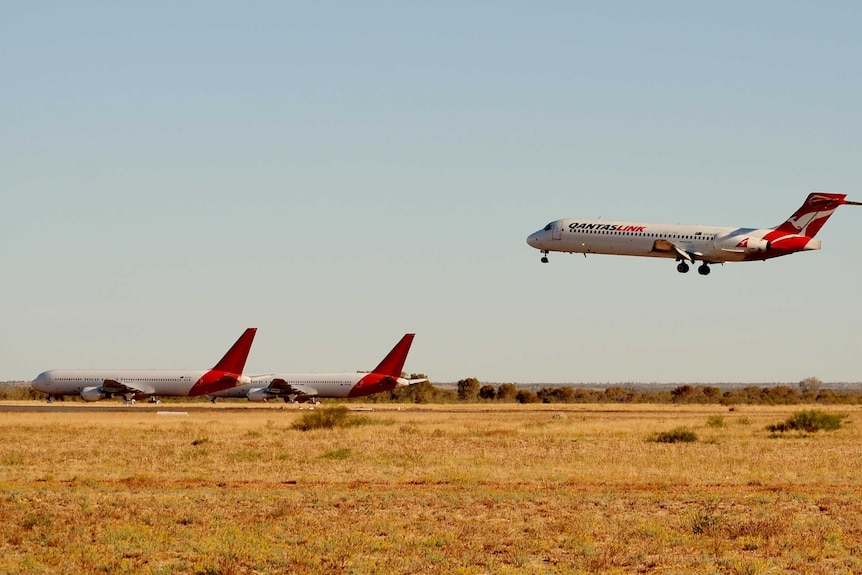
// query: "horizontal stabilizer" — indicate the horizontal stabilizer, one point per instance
point(404, 382)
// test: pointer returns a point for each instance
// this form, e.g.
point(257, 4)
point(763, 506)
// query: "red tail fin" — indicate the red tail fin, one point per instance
point(234, 360)
point(393, 363)
point(808, 219)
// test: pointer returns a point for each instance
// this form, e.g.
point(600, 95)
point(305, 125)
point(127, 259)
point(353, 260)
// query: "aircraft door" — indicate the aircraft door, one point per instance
point(557, 232)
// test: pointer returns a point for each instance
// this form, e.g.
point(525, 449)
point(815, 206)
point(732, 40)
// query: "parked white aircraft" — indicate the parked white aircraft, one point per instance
point(300, 387)
point(690, 243)
point(93, 385)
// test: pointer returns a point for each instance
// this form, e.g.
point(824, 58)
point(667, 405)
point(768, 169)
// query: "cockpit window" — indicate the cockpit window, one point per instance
point(549, 226)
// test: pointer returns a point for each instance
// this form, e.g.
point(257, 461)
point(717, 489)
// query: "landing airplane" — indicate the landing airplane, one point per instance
point(94, 385)
point(301, 387)
point(690, 243)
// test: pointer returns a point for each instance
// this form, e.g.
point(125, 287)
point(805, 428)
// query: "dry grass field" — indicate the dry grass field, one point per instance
point(449, 489)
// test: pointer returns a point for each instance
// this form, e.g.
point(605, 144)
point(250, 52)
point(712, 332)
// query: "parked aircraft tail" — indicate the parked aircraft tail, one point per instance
point(234, 360)
point(393, 363)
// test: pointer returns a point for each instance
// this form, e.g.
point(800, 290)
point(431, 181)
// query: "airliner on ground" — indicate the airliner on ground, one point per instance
point(93, 385)
point(690, 243)
point(301, 387)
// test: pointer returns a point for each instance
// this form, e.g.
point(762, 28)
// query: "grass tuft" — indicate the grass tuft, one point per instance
point(705, 521)
point(338, 454)
point(676, 435)
point(715, 421)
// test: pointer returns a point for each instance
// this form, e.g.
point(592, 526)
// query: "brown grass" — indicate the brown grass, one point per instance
point(478, 489)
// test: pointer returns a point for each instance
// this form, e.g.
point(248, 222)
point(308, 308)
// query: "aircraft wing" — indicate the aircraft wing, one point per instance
point(120, 388)
point(282, 388)
point(671, 247)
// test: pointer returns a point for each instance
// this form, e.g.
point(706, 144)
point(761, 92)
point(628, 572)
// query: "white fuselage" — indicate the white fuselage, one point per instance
point(165, 383)
point(706, 243)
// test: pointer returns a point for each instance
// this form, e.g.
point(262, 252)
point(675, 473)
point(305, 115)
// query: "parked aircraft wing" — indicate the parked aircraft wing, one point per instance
point(117, 387)
point(281, 388)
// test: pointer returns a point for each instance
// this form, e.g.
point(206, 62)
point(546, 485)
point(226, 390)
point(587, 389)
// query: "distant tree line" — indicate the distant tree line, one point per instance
point(18, 391)
point(471, 390)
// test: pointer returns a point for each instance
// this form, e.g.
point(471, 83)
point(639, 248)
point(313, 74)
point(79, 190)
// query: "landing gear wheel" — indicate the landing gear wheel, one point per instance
point(544, 257)
point(703, 270)
point(682, 268)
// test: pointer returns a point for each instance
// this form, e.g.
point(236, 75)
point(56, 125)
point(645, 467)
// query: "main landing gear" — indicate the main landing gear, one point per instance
point(544, 259)
point(702, 269)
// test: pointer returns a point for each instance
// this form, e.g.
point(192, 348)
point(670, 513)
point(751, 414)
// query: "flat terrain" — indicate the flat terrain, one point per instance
point(447, 489)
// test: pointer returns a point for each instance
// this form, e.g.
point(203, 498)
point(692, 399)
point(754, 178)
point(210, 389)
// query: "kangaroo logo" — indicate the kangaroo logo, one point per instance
point(743, 243)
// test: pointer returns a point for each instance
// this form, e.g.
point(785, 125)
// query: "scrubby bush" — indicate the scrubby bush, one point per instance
point(715, 421)
point(809, 421)
point(677, 435)
point(327, 418)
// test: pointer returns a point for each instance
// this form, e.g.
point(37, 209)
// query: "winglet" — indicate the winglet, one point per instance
point(393, 364)
point(234, 360)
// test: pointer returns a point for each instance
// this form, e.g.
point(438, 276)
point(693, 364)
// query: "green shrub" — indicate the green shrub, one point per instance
point(809, 421)
point(715, 421)
point(328, 418)
point(677, 435)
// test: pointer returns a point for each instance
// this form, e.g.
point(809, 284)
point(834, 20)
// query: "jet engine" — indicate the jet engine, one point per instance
point(259, 394)
point(94, 394)
point(756, 246)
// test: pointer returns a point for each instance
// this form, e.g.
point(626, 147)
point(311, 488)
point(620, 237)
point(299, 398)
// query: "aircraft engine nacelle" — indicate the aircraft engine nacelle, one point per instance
point(751, 245)
point(756, 246)
point(259, 394)
point(94, 394)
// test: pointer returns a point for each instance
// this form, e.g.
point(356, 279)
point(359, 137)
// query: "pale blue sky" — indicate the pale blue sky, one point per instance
point(340, 173)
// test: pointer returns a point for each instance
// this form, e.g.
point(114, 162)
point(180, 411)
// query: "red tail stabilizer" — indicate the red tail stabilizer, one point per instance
point(808, 219)
point(234, 360)
point(393, 364)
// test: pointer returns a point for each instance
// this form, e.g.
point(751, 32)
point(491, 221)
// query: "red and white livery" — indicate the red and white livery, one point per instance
point(94, 385)
point(301, 387)
point(690, 243)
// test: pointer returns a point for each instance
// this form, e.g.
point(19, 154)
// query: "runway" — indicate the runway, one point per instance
point(58, 407)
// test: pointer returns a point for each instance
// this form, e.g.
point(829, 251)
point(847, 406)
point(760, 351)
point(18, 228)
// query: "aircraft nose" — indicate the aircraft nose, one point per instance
point(41, 381)
point(533, 240)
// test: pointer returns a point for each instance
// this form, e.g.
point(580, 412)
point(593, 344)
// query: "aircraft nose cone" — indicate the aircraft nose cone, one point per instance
point(40, 381)
point(533, 240)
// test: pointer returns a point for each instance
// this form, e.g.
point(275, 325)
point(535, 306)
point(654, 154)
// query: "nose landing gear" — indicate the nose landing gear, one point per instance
point(544, 259)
